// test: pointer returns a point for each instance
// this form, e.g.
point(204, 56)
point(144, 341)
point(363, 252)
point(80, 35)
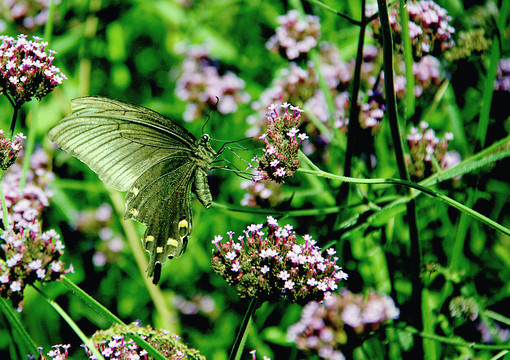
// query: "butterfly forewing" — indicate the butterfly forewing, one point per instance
point(136, 149)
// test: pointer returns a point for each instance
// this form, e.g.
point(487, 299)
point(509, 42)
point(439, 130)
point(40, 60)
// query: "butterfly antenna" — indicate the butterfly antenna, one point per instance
point(206, 121)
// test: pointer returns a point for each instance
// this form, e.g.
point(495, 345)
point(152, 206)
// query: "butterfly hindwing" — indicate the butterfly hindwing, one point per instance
point(159, 162)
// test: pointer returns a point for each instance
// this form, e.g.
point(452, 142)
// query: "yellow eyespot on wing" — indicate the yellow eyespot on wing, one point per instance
point(135, 190)
point(159, 249)
point(133, 211)
point(172, 242)
point(149, 238)
point(183, 224)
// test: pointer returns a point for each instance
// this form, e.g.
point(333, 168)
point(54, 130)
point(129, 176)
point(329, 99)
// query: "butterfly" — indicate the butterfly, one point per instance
point(157, 161)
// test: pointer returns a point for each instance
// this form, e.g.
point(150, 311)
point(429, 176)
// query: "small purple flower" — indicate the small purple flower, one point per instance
point(274, 265)
point(26, 70)
point(295, 36)
point(201, 85)
point(323, 328)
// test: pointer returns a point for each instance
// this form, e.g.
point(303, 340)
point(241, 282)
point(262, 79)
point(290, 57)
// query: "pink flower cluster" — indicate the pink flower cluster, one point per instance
point(295, 36)
point(202, 86)
point(26, 69)
point(273, 265)
point(25, 205)
point(325, 328)
point(280, 159)
point(426, 148)
point(9, 150)
point(30, 256)
point(502, 82)
point(429, 27)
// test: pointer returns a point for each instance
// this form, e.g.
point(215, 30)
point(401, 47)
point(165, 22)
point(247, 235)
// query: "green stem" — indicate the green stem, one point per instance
point(14, 119)
point(409, 184)
point(17, 326)
point(72, 324)
point(328, 8)
point(455, 342)
point(408, 60)
point(391, 107)
point(105, 313)
point(237, 349)
point(5, 213)
point(354, 132)
point(30, 145)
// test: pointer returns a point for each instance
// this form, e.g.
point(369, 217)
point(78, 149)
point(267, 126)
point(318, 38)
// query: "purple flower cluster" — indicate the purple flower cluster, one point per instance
point(280, 159)
point(426, 149)
point(99, 223)
point(198, 304)
point(25, 205)
point(428, 76)
point(9, 151)
point(30, 256)
point(201, 85)
point(502, 82)
point(59, 352)
point(325, 328)
point(270, 266)
point(265, 193)
point(27, 14)
point(429, 27)
point(115, 343)
point(301, 86)
point(26, 70)
point(295, 36)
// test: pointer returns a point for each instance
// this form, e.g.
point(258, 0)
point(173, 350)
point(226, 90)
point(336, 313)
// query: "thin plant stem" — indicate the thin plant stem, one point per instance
point(14, 119)
point(391, 106)
point(63, 314)
point(30, 146)
point(354, 129)
point(17, 326)
point(5, 213)
point(343, 16)
point(106, 314)
point(237, 349)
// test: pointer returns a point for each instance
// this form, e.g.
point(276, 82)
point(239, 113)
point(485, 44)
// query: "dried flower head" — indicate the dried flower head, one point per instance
point(325, 328)
point(273, 265)
point(30, 256)
point(295, 36)
point(280, 159)
point(427, 151)
point(461, 307)
point(26, 69)
point(201, 85)
point(429, 27)
point(115, 343)
point(9, 150)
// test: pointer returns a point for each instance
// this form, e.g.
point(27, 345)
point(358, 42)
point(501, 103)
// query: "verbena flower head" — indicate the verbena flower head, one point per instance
point(424, 147)
point(429, 27)
point(280, 159)
point(273, 265)
point(295, 36)
point(325, 328)
point(202, 86)
point(264, 194)
point(30, 256)
point(502, 82)
point(25, 205)
point(115, 343)
point(27, 14)
point(9, 150)
point(26, 70)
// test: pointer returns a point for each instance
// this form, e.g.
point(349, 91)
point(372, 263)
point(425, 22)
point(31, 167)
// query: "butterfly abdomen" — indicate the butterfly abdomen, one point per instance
point(201, 188)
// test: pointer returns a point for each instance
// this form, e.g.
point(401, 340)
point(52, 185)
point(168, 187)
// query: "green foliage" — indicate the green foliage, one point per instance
point(135, 50)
